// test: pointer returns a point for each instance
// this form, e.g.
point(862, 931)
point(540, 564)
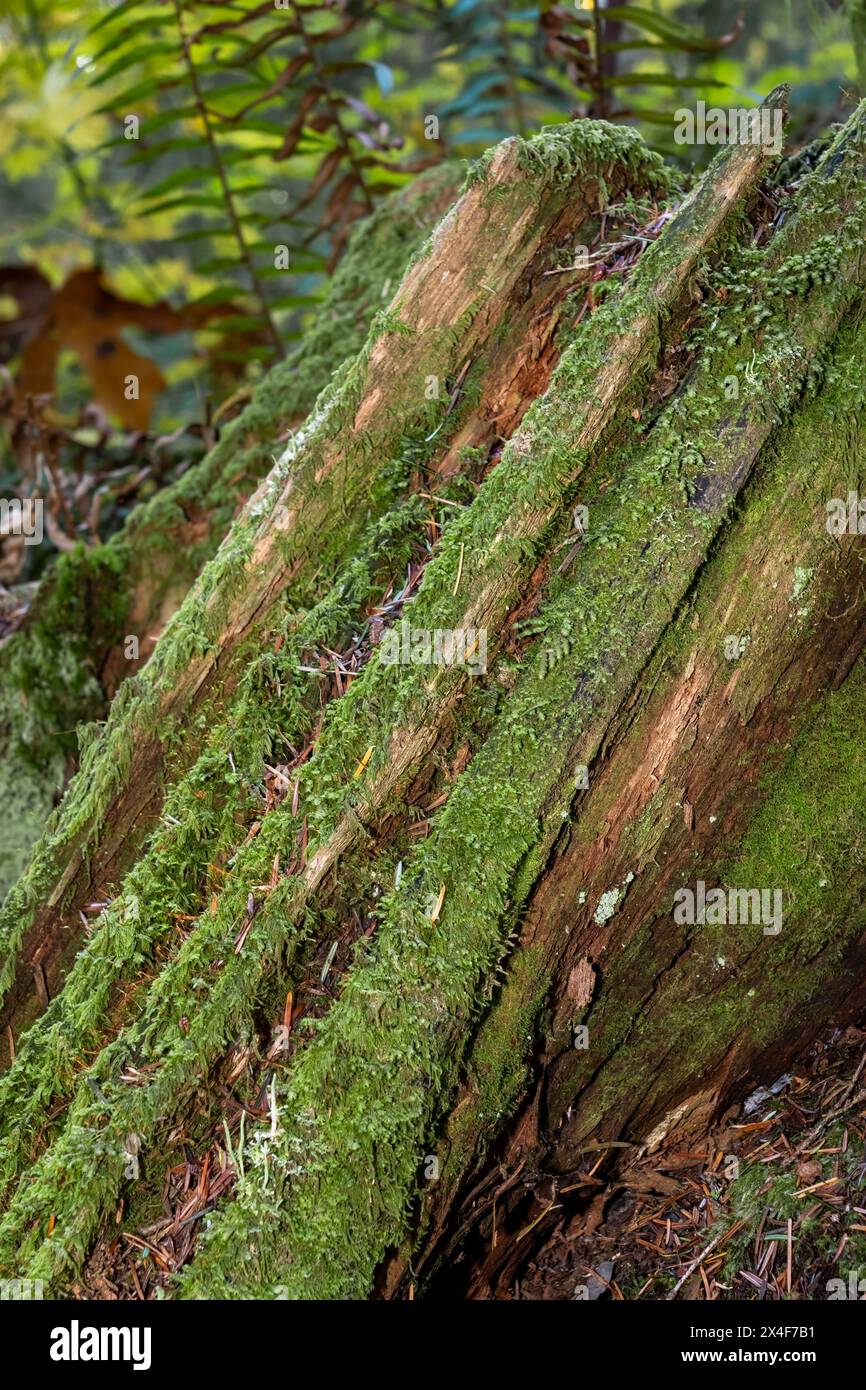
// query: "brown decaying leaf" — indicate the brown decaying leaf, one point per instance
point(88, 318)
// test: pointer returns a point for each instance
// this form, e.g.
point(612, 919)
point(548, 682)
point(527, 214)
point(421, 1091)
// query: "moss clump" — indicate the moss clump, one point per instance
point(49, 672)
point(566, 152)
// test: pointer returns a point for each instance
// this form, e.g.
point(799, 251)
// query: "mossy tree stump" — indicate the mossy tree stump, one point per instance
point(422, 913)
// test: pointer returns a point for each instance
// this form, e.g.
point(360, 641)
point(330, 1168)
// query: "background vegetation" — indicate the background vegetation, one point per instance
point(179, 177)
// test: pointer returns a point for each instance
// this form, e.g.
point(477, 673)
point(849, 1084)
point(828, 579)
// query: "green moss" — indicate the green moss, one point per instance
point(270, 701)
point(574, 148)
point(49, 671)
point(803, 840)
point(764, 1198)
point(204, 816)
point(55, 660)
point(510, 1042)
point(26, 794)
point(196, 629)
point(758, 1194)
point(497, 1065)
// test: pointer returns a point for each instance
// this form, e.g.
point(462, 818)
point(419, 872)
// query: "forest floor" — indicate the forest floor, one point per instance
point(770, 1205)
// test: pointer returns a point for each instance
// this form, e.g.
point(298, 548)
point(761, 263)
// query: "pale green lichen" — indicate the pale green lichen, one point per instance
point(609, 903)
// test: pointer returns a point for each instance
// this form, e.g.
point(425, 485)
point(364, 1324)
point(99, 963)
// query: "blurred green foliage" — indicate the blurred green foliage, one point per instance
point(262, 130)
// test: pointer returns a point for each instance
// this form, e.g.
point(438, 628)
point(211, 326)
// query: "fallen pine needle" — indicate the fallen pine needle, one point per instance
point(723, 1235)
point(540, 1217)
point(459, 568)
point(439, 901)
point(362, 764)
point(827, 1182)
point(790, 1264)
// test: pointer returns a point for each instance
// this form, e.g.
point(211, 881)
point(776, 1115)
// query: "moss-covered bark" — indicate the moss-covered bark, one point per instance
point(62, 668)
point(684, 414)
point(680, 1017)
point(238, 986)
point(402, 1016)
point(350, 463)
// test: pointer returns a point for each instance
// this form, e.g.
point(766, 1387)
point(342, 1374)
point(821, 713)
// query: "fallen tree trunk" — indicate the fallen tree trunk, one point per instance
point(426, 873)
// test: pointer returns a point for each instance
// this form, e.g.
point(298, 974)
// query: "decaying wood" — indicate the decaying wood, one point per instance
point(445, 311)
point(71, 650)
point(696, 715)
point(468, 876)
